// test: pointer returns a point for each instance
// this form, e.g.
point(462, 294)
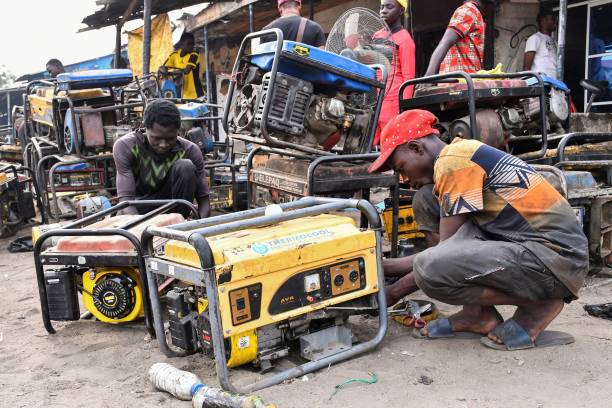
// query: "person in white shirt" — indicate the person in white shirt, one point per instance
point(541, 49)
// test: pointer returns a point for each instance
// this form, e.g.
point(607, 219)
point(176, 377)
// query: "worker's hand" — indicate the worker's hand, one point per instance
point(421, 87)
point(187, 69)
point(163, 69)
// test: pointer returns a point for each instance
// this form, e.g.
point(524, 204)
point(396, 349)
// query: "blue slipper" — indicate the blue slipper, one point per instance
point(441, 329)
point(514, 337)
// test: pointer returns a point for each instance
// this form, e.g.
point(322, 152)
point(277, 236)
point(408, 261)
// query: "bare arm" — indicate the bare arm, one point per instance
point(204, 207)
point(450, 225)
point(202, 189)
point(403, 266)
point(528, 60)
point(448, 40)
point(431, 238)
point(398, 266)
point(126, 182)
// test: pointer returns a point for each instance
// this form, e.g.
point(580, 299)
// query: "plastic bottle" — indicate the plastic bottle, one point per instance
point(208, 397)
point(188, 386)
point(177, 382)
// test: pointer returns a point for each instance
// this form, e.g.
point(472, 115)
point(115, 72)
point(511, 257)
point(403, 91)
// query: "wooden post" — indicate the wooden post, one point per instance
point(146, 41)
point(117, 45)
point(128, 11)
point(561, 33)
point(207, 64)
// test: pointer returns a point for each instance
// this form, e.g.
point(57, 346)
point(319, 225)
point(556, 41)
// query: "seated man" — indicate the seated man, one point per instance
point(507, 237)
point(157, 164)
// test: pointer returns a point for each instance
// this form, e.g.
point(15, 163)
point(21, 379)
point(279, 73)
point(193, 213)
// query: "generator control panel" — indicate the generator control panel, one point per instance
point(245, 304)
point(317, 285)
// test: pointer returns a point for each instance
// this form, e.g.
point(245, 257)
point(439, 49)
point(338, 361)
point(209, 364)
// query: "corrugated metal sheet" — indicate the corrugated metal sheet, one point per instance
point(112, 11)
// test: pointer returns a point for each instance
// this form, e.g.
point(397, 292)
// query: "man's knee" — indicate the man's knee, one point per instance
point(184, 169)
point(435, 272)
point(427, 268)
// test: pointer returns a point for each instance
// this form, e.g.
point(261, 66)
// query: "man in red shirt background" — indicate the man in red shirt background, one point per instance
point(404, 64)
point(462, 46)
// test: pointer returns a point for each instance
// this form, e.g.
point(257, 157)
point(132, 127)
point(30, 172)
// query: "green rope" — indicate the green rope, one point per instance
point(372, 380)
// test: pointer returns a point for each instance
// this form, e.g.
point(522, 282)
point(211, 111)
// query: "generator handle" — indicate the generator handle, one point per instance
point(603, 137)
point(434, 79)
point(9, 167)
point(164, 205)
point(307, 206)
point(66, 232)
point(367, 147)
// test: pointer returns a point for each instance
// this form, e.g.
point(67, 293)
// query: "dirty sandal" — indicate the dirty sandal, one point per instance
point(442, 329)
point(514, 337)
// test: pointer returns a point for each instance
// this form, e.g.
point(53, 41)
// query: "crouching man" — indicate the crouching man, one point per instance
point(507, 237)
point(157, 164)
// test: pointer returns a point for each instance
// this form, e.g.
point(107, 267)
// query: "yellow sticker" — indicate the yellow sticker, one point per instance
point(301, 50)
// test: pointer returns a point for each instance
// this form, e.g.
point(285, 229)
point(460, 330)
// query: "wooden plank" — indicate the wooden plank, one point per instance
point(215, 12)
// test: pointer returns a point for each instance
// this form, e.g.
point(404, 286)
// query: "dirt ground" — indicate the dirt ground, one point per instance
point(89, 364)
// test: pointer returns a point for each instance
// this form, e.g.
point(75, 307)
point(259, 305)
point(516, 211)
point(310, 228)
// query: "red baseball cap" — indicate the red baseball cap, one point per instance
point(407, 126)
point(281, 2)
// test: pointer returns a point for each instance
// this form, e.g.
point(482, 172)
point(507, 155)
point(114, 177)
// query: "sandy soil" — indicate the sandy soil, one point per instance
point(89, 364)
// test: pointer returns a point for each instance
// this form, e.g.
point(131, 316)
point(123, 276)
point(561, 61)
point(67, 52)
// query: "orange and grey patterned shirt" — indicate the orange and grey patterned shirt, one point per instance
point(510, 201)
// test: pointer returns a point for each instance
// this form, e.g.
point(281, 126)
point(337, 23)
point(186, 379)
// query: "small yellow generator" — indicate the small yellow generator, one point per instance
point(259, 284)
point(102, 259)
point(407, 225)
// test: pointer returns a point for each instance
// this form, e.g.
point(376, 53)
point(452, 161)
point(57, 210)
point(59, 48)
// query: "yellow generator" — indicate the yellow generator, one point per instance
point(102, 259)
point(259, 284)
point(407, 227)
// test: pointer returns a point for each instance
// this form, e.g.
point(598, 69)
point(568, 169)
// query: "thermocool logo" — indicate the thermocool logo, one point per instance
point(263, 248)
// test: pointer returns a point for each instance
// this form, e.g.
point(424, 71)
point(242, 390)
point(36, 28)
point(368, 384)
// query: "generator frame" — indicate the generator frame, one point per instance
point(278, 52)
point(15, 169)
point(103, 259)
point(589, 160)
point(196, 233)
point(471, 95)
point(110, 103)
point(44, 179)
point(317, 157)
point(313, 185)
point(234, 188)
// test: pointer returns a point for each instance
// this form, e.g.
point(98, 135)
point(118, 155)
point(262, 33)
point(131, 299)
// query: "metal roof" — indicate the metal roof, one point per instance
point(112, 11)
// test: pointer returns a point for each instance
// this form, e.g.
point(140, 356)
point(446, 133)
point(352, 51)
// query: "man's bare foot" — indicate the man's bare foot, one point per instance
point(475, 319)
point(534, 317)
